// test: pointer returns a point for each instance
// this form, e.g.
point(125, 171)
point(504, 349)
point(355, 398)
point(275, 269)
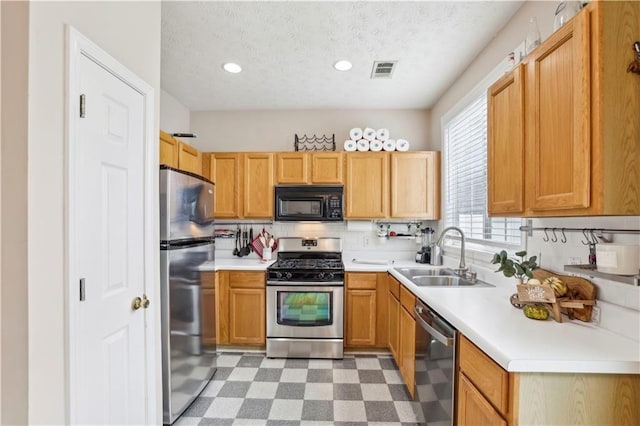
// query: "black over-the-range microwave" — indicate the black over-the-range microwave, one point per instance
point(295, 203)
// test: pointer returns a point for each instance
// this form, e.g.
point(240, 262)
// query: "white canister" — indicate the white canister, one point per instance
point(619, 259)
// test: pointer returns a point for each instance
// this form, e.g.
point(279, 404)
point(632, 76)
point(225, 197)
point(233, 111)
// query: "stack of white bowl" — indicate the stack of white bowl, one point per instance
point(370, 139)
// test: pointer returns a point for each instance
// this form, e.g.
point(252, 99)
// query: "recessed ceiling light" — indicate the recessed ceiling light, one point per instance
point(232, 68)
point(342, 65)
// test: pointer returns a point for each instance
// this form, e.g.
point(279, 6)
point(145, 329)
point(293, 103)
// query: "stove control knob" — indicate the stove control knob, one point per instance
point(288, 275)
point(279, 275)
point(320, 275)
point(330, 276)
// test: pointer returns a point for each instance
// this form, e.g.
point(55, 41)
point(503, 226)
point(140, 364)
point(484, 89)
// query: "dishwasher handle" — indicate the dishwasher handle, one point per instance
point(440, 337)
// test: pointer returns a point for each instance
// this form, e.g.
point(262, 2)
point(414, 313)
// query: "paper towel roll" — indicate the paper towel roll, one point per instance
point(619, 259)
point(375, 145)
point(382, 134)
point(389, 145)
point(363, 145)
point(355, 133)
point(402, 145)
point(349, 145)
point(369, 134)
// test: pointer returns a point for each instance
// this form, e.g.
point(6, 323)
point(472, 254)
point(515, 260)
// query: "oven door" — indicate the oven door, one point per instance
point(305, 311)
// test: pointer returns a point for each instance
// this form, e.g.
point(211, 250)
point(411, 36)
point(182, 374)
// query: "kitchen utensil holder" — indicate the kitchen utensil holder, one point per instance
point(314, 143)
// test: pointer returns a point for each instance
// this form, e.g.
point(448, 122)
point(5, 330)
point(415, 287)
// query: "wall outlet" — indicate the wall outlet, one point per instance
point(596, 315)
point(574, 261)
point(365, 241)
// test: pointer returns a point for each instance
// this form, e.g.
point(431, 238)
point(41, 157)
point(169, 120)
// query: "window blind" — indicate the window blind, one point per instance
point(465, 146)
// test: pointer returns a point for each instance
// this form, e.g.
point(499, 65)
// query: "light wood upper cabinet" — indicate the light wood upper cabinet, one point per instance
point(189, 158)
point(225, 170)
point(505, 153)
point(367, 185)
point(326, 168)
point(292, 167)
point(558, 112)
point(258, 184)
point(168, 150)
point(581, 127)
point(415, 185)
point(309, 167)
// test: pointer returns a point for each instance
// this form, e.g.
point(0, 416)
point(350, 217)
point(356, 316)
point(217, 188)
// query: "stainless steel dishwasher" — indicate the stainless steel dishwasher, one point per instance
point(435, 366)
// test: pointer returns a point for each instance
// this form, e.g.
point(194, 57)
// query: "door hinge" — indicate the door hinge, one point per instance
point(82, 292)
point(82, 105)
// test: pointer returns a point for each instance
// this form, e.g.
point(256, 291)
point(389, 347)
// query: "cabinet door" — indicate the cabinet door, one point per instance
point(394, 328)
point(168, 150)
point(360, 308)
point(367, 187)
point(472, 408)
point(258, 185)
point(247, 316)
point(326, 167)
point(208, 309)
point(222, 307)
point(361, 318)
point(189, 158)
point(292, 167)
point(415, 185)
point(558, 119)
point(408, 349)
point(225, 172)
point(505, 144)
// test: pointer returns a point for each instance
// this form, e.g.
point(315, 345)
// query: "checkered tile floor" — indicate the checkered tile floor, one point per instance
point(250, 389)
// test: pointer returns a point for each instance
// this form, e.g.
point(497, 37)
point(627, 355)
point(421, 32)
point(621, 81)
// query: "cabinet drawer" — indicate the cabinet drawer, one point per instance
point(362, 281)
point(394, 287)
point(490, 379)
point(242, 279)
point(407, 299)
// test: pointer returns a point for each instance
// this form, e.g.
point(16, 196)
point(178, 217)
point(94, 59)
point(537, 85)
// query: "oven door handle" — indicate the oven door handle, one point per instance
point(306, 283)
point(445, 340)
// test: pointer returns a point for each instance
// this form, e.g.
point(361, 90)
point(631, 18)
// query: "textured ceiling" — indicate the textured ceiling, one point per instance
point(287, 51)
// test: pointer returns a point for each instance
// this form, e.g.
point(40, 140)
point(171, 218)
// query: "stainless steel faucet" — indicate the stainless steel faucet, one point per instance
point(437, 255)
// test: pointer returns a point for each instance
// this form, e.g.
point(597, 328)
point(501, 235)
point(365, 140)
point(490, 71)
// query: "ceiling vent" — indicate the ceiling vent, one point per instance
point(383, 69)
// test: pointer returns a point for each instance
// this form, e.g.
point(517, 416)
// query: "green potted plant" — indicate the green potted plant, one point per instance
point(512, 267)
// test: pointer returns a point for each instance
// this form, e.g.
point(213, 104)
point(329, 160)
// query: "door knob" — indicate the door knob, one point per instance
point(136, 303)
point(145, 301)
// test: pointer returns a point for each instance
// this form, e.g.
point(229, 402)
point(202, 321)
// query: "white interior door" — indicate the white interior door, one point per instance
point(110, 345)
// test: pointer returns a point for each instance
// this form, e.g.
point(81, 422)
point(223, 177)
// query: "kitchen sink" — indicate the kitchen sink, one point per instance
point(423, 272)
point(440, 281)
point(423, 277)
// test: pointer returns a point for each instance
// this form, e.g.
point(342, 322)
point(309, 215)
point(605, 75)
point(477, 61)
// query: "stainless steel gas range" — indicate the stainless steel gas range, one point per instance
point(305, 299)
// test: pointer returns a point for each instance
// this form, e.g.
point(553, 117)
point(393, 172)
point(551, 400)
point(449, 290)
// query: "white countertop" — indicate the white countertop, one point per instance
point(520, 344)
point(485, 316)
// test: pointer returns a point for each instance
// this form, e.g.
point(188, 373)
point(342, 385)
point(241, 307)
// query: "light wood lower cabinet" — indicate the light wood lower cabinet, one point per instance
point(366, 310)
point(487, 394)
point(208, 280)
point(241, 308)
point(473, 408)
point(402, 331)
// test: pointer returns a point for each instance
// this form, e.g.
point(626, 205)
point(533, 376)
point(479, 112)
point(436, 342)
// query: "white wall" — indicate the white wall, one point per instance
point(174, 116)
point(624, 298)
point(14, 367)
point(129, 31)
point(274, 130)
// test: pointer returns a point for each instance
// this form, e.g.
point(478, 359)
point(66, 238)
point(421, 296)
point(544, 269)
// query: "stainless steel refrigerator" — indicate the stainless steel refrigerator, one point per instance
point(186, 246)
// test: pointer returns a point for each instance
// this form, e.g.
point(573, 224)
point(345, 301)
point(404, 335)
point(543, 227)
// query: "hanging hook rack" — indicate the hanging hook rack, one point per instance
point(529, 229)
point(546, 237)
point(563, 240)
